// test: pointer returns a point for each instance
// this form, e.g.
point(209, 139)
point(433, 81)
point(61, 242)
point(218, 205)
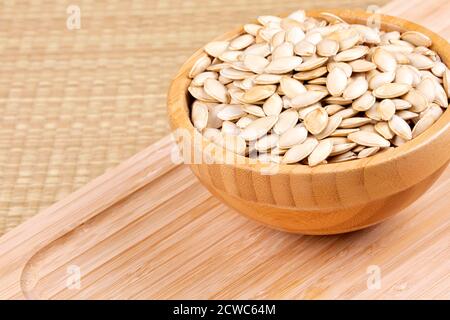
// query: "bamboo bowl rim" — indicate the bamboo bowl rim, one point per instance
point(179, 115)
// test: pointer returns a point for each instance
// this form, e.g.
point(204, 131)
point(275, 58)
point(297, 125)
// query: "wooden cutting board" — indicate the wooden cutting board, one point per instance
point(148, 230)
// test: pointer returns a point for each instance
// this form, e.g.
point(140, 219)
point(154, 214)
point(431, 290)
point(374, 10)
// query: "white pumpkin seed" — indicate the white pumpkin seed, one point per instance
point(400, 127)
point(293, 136)
point(368, 139)
point(416, 38)
point(386, 109)
point(367, 152)
point(283, 65)
point(351, 54)
point(384, 60)
point(336, 81)
point(287, 120)
point(300, 151)
point(316, 121)
point(327, 47)
point(320, 152)
point(199, 66)
point(267, 142)
point(258, 128)
point(273, 105)
point(365, 102)
point(216, 48)
point(258, 93)
point(307, 98)
point(216, 90)
point(383, 129)
point(291, 87)
point(355, 89)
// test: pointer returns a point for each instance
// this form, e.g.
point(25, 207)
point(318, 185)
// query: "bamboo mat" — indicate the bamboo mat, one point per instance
point(74, 103)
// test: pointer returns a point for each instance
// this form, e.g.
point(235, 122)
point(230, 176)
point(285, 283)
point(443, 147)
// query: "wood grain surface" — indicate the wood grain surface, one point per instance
point(148, 230)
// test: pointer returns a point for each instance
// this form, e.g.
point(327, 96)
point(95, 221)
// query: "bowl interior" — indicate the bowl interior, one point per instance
point(179, 102)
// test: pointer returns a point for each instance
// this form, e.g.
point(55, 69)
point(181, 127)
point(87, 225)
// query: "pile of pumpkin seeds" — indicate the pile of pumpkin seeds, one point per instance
point(304, 90)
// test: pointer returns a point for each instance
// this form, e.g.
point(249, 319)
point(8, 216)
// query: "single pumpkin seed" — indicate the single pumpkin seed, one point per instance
point(231, 112)
point(327, 47)
point(307, 98)
point(417, 100)
point(391, 90)
point(255, 63)
point(216, 48)
point(216, 90)
point(293, 136)
point(258, 128)
point(199, 115)
point(332, 109)
point(199, 66)
point(362, 65)
point(416, 38)
point(312, 74)
point(241, 42)
point(305, 48)
point(267, 142)
point(422, 125)
point(282, 51)
point(367, 152)
point(354, 122)
point(254, 110)
point(351, 54)
point(273, 105)
point(336, 81)
point(420, 61)
point(258, 93)
point(368, 139)
point(320, 152)
point(356, 88)
point(332, 125)
point(400, 127)
point(407, 115)
point(341, 148)
point(316, 121)
point(291, 87)
point(384, 130)
point(287, 119)
point(365, 102)
point(300, 151)
point(283, 65)
point(427, 88)
point(343, 157)
point(386, 109)
point(384, 60)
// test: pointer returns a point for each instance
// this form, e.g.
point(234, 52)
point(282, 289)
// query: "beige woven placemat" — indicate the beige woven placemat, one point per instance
point(74, 103)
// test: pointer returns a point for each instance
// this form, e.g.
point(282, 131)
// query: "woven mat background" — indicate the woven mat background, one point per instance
point(74, 103)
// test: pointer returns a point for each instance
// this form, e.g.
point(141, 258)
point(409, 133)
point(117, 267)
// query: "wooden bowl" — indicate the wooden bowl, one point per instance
point(327, 199)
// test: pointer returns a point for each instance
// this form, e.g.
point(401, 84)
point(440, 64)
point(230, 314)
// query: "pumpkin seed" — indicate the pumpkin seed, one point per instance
point(367, 152)
point(320, 152)
point(368, 139)
point(283, 65)
point(400, 127)
point(300, 151)
point(336, 81)
point(316, 121)
point(293, 136)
